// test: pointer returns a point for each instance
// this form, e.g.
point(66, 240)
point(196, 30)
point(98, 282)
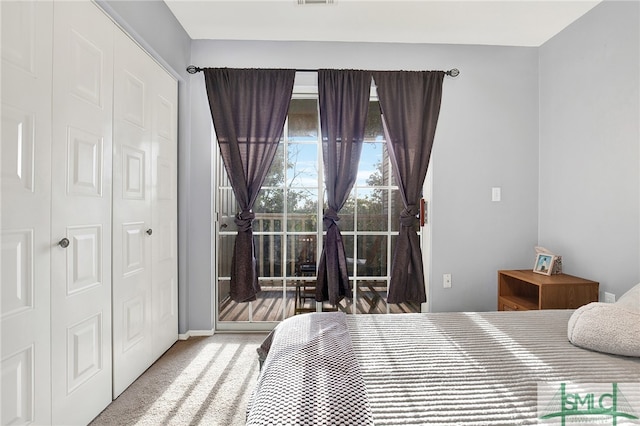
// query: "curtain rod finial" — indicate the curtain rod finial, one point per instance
point(192, 69)
point(453, 72)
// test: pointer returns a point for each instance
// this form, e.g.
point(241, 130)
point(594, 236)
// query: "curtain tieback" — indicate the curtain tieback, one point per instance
point(409, 216)
point(330, 218)
point(244, 220)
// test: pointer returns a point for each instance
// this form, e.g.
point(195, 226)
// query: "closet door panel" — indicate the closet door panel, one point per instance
point(132, 327)
point(81, 212)
point(164, 211)
point(25, 234)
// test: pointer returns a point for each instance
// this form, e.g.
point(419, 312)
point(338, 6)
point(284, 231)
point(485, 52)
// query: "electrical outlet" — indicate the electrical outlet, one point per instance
point(609, 297)
point(446, 280)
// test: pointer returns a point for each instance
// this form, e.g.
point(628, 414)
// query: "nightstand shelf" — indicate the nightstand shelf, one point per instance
point(523, 290)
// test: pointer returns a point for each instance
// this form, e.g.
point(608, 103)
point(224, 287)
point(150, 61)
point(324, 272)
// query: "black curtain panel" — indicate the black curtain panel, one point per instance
point(344, 102)
point(249, 108)
point(410, 105)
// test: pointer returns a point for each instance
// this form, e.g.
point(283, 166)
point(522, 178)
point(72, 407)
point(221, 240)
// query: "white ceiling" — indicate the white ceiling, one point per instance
point(504, 22)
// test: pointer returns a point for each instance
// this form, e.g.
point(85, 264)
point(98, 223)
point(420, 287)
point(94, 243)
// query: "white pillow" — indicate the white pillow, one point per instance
point(631, 299)
point(612, 328)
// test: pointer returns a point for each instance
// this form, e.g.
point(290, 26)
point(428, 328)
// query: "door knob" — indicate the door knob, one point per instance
point(149, 231)
point(64, 243)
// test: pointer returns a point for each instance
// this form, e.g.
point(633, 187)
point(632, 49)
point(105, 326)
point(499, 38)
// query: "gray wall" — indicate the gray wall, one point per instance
point(487, 136)
point(589, 146)
point(556, 128)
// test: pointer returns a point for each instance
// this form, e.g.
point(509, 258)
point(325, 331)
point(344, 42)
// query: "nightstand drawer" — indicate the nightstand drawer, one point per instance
point(505, 304)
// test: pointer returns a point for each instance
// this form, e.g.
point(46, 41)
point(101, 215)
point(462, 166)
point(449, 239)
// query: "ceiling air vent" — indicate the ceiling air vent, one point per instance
point(302, 2)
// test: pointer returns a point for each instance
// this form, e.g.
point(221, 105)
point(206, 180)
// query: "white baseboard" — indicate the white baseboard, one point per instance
point(195, 333)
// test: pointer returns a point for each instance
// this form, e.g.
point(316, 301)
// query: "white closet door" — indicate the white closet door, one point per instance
point(81, 212)
point(25, 212)
point(165, 214)
point(132, 232)
point(145, 322)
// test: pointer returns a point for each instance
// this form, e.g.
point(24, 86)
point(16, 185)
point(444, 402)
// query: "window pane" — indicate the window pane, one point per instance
point(225, 252)
point(268, 254)
point(290, 299)
point(269, 302)
point(230, 310)
point(347, 214)
point(348, 249)
point(268, 222)
point(224, 291)
point(302, 165)
point(345, 305)
point(302, 255)
point(396, 208)
point(303, 120)
point(305, 293)
point(275, 177)
point(303, 210)
point(373, 129)
point(388, 174)
point(370, 168)
point(269, 201)
point(372, 254)
point(394, 239)
point(371, 296)
point(228, 209)
point(372, 210)
point(222, 176)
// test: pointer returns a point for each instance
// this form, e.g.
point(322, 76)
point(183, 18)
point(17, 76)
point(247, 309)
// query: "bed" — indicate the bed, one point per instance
point(427, 369)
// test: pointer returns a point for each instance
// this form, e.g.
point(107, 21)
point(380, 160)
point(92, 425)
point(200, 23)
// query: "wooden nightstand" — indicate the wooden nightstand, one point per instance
point(523, 290)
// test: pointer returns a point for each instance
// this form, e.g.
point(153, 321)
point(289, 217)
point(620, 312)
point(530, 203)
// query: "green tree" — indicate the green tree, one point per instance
point(272, 195)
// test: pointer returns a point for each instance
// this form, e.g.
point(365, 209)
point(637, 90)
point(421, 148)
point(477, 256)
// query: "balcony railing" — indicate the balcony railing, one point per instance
point(281, 256)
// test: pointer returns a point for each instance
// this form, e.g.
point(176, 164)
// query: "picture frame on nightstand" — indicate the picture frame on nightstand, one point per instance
point(544, 263)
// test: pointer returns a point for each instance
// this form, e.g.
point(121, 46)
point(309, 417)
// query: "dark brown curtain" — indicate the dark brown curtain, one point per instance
point(410, 104)
point(344, 102)
point(249, 108)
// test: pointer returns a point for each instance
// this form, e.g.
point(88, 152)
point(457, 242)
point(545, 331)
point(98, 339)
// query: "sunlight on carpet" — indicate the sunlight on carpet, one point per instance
point(203, 380)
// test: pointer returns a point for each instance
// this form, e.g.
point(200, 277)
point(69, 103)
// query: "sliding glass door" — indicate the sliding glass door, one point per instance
point(288, 227)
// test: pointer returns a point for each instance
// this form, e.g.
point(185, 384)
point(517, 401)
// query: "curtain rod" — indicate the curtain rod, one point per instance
point(192, 69)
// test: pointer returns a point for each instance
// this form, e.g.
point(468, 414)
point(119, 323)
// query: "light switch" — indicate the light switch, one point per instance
point(496, 193)
point(446, 280)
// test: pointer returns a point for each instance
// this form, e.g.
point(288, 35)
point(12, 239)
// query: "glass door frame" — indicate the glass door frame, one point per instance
point(258, 326)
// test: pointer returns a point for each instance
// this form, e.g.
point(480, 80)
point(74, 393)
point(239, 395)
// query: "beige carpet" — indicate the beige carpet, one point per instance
point(202, 380)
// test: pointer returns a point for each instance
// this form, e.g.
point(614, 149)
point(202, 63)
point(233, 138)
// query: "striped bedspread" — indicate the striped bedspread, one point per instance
point(437, 368)
point(472, 368)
